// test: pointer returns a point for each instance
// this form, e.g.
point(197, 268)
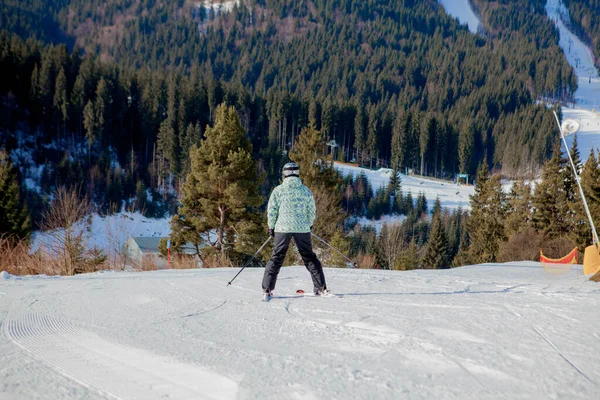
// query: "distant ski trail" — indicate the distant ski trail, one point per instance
point(560, 353)
point(115, 370)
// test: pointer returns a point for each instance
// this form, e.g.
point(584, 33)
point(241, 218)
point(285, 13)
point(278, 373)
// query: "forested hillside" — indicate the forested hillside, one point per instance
point(111, 97)
point(398, 81)
point(585, 18)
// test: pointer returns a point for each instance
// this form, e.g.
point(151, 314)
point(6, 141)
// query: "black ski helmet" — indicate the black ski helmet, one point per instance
point(290, 169)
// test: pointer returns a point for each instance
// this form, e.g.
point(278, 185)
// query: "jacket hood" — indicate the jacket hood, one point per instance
point(292, 181)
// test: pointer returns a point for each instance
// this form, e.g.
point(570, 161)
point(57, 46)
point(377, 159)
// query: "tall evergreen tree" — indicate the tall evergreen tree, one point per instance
point(318, 173)
point(436, 251)
point(421, 207)
point(590, 182)
point(89, 122)
point(359, 135)
point(466, 142)
point(550, 202)
point(518, 207)
point(14, 219)
point(400, 139)
point(221, 193)
point(576, 217)
point(60, 100)
point(486, 223)
point(168, 145)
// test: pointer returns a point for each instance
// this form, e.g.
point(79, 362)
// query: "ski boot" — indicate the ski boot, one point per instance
point(267, 296)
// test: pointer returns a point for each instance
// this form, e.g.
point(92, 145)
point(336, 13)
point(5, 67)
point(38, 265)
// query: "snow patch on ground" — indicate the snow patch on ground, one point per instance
point(378, 224)
point(184, 334)
point(462, 10)
point(587, 97)
point(588, 135)
point(5, 275)
point(106, 232)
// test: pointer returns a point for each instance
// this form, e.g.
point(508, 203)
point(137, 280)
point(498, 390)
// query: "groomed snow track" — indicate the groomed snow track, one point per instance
point(496, 331)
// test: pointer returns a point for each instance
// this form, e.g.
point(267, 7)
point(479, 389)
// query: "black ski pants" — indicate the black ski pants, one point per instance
point(280, 247)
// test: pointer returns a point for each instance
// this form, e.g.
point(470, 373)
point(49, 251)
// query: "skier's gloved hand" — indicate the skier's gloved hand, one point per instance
point(272, 232)
point(311, 228)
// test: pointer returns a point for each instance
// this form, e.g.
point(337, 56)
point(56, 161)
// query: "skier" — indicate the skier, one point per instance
point(291, 213)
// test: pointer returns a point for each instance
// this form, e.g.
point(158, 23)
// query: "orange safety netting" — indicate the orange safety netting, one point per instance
point(559, 265)
point(570, 258)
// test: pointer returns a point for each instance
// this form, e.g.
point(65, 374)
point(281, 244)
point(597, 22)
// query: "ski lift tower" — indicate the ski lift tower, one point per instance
point(462, 176)
point(333, 144)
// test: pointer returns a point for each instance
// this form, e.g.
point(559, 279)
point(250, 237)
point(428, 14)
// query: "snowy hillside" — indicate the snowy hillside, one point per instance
point(462, 10)
point(497, 331)
point(451, 195)
point(113, 231)
point(587, 108)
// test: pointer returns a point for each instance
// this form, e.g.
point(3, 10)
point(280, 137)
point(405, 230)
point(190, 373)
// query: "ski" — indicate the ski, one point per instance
point(299, 294)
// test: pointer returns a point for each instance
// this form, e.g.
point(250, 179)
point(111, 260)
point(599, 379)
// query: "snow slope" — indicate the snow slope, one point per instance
point(462, 10)
point(451, 195)
point(496, 331)
point(587, 97)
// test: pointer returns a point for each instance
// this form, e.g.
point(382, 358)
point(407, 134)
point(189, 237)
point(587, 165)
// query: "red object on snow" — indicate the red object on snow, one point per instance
point(300, 291)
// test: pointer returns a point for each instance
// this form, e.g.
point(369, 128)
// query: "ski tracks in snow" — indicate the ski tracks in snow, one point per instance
point(109, 368)
point(560, 353)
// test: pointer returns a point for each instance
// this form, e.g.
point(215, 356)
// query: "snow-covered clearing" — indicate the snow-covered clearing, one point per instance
point(451, 195)
point(462, 10)
point(378, 224)
point(587, 107)
point(113, 231)
point(218, 6)
point(496, 331)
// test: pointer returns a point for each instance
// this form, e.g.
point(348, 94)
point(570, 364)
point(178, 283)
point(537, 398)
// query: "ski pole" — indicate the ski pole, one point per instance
point(339, 252)
point(248, 262)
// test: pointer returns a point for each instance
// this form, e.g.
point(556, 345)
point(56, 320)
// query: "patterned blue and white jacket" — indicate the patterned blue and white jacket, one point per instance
point(291, 207)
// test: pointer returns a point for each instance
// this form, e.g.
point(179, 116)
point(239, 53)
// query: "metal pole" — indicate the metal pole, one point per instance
point(339, 252)
point(585, 205)
point(248, 262)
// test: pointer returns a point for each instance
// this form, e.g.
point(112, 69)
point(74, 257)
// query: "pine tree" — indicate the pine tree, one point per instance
point(436, 251)
point(359, 135)
point(486, 223)
point(424, 139)
point(437, 206)
point(590, 183)
point(89, 122)
point(421, 207)
point(14, 219)
point(462, 256)
point(100, 108)
point(78, 100)
point(60, 100)
point(318, 173)
point(576, 218)
point(316, 166)
point(550, 211)
point(518, 207)
point(372, 127)
point(400, 139)
point(408, 203)
point(466, 142)
point(168, 145)
point(221, 192)
point(409, 258)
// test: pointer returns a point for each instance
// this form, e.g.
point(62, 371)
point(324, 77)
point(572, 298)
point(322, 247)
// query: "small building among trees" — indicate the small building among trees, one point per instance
point(144, 253)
